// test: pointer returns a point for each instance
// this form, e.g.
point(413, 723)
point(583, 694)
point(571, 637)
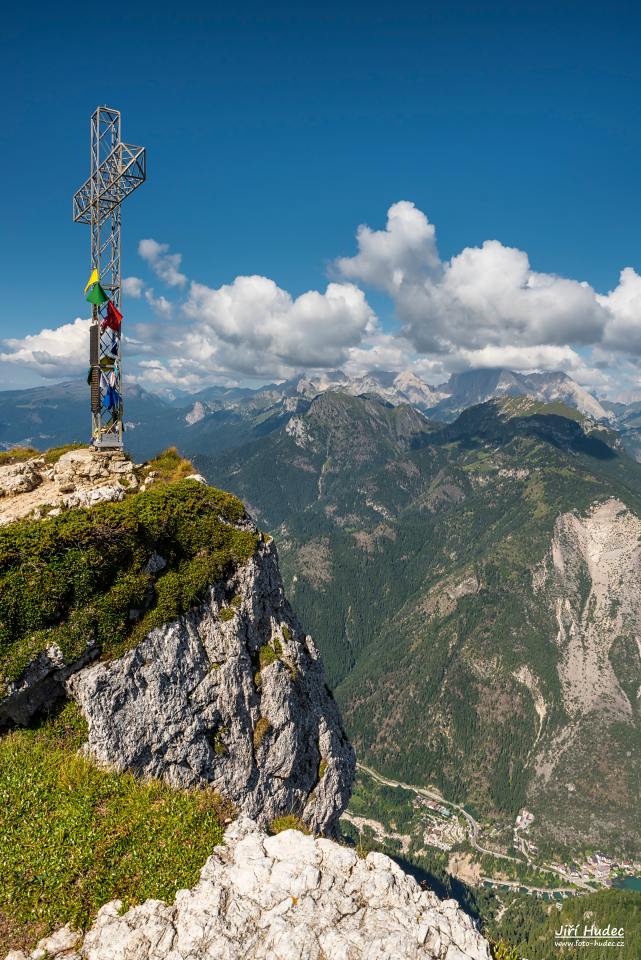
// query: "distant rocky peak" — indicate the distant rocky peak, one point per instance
point(559, 386)
point(476, 386)
point(197, 413)
point(396, 388)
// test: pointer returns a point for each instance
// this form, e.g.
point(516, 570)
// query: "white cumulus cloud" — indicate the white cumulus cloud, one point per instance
point(254, 329)
point(133, 287)
point(164, 264)
point(52, 353)
point(404, 253)
point(623, 304)
point(487, 295)
point(254, 315)
point(161, 305)
point(486, 306)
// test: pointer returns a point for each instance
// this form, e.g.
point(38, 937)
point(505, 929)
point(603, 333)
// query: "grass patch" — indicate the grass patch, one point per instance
point(322, 767)
point(170, 466)
point(287, 633)
point(54, 454)
point(288, 822)
point(227, 613)
point(73, 837)
point(17, 455)
point(73, 579)
point(261, 730)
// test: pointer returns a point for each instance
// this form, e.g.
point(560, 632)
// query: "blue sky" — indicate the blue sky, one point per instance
point(273, 131)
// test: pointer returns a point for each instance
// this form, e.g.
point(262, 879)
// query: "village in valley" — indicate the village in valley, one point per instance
point(420, 819)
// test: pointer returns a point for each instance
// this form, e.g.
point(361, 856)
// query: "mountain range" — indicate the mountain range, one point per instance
point(462, 390)
point(467, 559)
point(220, 418)
point(475, 591)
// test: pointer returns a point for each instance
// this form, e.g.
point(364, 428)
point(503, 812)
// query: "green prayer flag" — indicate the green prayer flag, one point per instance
point(97, 295)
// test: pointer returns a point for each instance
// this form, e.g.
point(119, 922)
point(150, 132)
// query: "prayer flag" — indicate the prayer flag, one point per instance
point(94, 278)
point(113, 318)
point(97, 295)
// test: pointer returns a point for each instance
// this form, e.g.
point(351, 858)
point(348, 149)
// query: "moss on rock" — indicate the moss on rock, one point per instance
point(261, 730)
point(266, 655)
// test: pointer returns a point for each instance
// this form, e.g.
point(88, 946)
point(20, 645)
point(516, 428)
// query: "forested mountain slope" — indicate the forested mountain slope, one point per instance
point(476, 591)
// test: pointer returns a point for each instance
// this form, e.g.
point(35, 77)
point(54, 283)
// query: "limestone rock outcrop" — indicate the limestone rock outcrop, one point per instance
point(284, 897)
point(232, 694)
point(41, 684)
point(79, 478)
point(16, 478)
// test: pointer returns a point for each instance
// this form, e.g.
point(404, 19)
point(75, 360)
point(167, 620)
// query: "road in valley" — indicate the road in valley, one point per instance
point(474, 831)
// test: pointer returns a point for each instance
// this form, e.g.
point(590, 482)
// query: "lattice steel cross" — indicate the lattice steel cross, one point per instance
point(116, 170)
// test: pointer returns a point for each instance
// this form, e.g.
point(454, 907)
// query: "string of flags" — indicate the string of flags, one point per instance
point(109, 362)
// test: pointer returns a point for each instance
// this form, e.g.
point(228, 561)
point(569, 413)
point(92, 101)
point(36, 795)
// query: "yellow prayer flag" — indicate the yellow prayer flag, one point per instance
point(94, 278)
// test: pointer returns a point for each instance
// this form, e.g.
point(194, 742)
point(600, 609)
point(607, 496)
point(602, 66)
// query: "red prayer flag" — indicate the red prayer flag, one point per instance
point(113, 318)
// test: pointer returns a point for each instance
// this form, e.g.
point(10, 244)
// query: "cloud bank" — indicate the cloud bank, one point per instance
point(486, 306)
point(53, 354)
point(486, 296)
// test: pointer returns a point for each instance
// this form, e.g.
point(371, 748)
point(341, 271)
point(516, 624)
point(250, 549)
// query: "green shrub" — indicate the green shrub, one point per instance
point(266, 655)
point(503, 951)
point(218, 743)
point(79, 577)
point(292, 669)
point(287, 633)
point(322, 767)
point(227, 613)
point(170, 466)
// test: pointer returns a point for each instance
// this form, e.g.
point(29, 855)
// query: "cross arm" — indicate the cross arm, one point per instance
point(116, 177)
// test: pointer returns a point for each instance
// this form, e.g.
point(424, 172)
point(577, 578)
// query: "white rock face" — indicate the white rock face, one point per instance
point(602, 550)
point(288, 897)
point(20, 477)
point(197, 703)
point(566, 390)
point(232, 694)
point(93, 476)
point(197, 413)
point(590, 582)
point(298, 431)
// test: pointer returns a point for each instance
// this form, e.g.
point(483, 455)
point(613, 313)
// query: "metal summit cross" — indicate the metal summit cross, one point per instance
point(116, 170)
